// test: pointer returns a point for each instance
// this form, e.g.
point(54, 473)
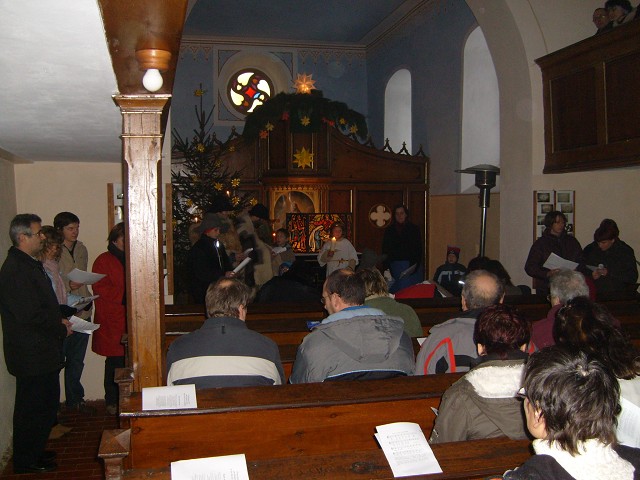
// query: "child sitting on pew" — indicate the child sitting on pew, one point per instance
point(571, 403)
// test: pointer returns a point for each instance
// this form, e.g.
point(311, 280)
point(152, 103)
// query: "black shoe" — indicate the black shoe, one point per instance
point(39, 467)
point(48, 456)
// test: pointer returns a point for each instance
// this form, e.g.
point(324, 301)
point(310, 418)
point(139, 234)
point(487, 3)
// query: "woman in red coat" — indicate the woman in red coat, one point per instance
point(111, 312)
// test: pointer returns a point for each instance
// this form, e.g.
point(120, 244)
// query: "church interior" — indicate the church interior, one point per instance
point(454, 83)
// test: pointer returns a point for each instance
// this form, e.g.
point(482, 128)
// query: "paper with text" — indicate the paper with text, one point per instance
point(82, 326)
point(629, 424)
point(228, 467)
point(175, 397)
point(406, 449)
point(554, 262)
point(88, 278)
point(84, 301)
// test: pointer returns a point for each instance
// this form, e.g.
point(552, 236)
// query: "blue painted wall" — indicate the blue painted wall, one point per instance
point(340, 74)
point(430, 46)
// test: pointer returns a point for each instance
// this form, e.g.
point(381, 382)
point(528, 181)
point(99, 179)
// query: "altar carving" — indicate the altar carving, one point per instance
point(336, 174)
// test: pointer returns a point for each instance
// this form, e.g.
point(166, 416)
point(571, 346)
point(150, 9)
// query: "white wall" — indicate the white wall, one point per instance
point(46, 188)
point(7, 382)
point(517, 33)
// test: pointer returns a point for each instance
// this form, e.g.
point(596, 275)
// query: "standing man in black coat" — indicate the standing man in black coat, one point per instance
point(33, 329)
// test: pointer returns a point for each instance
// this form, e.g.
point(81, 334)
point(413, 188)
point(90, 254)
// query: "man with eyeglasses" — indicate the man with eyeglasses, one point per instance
point(33, 329)
point(354, 342)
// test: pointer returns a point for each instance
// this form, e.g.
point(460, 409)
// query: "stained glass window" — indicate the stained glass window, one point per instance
point(249, 88)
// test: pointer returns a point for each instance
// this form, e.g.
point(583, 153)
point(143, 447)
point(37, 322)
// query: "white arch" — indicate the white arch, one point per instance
point(397, 110)
point(480, 136)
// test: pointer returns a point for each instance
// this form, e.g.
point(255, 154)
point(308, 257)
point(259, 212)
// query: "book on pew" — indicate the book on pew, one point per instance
point(407, 449)
point(223, 467)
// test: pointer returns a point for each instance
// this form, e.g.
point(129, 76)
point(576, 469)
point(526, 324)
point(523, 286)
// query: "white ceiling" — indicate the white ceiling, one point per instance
point(54, 63)
point(56, 78)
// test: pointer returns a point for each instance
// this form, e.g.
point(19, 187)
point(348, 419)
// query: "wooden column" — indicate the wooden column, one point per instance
point(142, 152)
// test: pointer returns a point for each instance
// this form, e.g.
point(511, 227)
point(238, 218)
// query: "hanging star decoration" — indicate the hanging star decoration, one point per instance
point(269, 127)
point(304, 83)
point(305, 121)
point(303, 158)
point(264, 134)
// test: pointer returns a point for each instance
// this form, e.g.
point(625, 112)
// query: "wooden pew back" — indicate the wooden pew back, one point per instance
point(470, 460)
point(280, 421)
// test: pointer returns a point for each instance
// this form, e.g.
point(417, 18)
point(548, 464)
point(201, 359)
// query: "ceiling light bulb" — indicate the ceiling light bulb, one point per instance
point(152, 80)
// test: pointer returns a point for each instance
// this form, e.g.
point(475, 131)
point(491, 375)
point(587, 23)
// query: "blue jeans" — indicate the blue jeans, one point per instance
point(74, 348)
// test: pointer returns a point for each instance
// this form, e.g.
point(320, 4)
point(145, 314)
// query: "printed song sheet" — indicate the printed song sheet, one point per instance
point(554, 262)
point(175, 397)
point(88, 278)
point(228, 467)
point(82, 326)
point(406, 449)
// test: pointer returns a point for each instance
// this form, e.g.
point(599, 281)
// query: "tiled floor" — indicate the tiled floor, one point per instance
point(77, 450)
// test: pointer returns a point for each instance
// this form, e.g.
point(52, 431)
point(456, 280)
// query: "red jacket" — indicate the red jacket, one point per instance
point(111, 314)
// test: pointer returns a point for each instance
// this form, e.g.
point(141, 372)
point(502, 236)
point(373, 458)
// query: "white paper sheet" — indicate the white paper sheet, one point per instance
point(242, 265)
point(277, 250)
point(228, 467)
point(555, 262)
point(84, 301)
point(82, 326)
point(629, 424)
point(88, 278)
point(176, 397)
point(406, 449)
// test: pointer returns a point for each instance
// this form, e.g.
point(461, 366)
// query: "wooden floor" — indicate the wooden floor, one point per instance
point(77, 450)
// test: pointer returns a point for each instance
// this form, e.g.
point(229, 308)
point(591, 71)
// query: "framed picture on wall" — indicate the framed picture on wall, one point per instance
point(546, 201)
point(292, 200)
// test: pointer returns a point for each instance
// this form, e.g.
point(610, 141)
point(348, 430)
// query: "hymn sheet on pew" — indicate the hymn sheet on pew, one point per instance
point(174, 397)
point(228, 467)
point(406, 449)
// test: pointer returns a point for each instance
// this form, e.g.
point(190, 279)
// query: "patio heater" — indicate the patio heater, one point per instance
point(485, 181)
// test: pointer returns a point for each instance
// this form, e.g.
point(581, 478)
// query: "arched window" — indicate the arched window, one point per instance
point(480, 109)
point(397, 110)
point(249, 88)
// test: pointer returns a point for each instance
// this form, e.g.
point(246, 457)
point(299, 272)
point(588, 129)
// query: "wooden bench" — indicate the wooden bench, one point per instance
point(476, 459)
point(279, 421)
point(286, 324)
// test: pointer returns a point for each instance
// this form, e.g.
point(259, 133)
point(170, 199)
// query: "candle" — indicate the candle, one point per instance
point(333, 243)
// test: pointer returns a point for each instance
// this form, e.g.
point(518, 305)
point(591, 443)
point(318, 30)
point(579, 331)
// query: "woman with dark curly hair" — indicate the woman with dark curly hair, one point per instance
point(584, 325)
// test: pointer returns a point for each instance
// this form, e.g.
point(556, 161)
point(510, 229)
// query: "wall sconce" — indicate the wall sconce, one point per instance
point(153, 61)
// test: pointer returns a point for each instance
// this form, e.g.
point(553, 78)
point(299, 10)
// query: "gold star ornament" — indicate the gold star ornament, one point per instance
point(303, 158)
point(304, 83)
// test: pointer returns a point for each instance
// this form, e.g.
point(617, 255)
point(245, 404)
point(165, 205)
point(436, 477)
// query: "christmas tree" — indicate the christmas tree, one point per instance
point(198, 177)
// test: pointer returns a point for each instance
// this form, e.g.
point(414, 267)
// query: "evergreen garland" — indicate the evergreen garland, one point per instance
point(306, 112)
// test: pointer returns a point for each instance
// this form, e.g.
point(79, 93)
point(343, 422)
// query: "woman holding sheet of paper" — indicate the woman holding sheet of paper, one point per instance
point(554, 239)
point(111, 312)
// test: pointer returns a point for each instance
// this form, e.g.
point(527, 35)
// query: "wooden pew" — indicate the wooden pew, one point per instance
point(286, 324)
point(470, 460)
point(279, 421)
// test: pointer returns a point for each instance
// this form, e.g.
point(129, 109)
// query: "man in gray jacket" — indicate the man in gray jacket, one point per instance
point(450, 346)
point(354, 341)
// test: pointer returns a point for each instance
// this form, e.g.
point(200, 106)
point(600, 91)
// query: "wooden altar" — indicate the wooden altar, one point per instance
point(328, 171)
